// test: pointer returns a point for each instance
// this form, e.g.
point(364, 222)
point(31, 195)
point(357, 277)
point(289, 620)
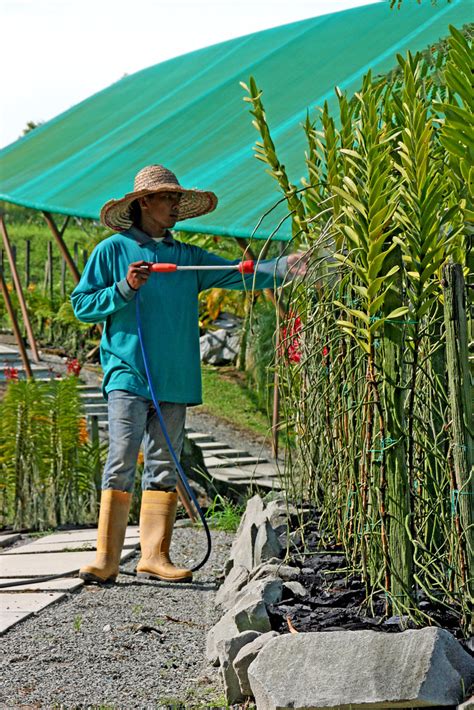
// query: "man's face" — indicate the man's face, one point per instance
point(161, 208)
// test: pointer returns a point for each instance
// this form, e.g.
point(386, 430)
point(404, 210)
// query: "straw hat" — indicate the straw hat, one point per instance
point(115, 214)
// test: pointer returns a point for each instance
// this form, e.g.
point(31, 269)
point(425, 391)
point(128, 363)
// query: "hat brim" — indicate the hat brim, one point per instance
point(115, 214)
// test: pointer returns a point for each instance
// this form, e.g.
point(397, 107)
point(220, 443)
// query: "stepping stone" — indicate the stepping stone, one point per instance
point(205, 445)
point(214, 462)
point(16, 607)
point(229, 453)
point(64, 584)
point(9, 539)
point(33, 565)
point(196, 436)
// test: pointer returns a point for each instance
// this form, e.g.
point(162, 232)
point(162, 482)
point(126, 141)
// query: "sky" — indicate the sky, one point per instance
point(55, 53)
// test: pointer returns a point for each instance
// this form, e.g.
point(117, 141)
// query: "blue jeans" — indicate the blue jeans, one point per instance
point(133, 419)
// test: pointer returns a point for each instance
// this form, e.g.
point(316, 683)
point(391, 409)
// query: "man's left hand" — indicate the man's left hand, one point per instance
point(298, 263)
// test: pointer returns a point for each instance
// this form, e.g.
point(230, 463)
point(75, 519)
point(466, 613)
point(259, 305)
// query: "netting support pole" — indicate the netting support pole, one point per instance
point(58, 235)
point(19, 290)
point(16, 327)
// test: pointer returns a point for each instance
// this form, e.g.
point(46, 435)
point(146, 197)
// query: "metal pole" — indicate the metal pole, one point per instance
point(16, 328)
point(19, 290)
point(58, 235)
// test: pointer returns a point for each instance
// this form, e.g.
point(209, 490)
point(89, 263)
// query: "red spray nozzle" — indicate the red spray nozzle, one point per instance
point(163, 268)
point(247, 267)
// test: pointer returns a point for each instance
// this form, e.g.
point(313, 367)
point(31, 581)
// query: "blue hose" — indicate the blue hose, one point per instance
point(167, 439)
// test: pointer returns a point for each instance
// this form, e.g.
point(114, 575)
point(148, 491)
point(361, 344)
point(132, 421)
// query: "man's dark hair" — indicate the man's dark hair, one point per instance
point(135, 213)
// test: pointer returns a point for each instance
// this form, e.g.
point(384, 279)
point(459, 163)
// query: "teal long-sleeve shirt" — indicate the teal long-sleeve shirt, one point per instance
point(168, 311)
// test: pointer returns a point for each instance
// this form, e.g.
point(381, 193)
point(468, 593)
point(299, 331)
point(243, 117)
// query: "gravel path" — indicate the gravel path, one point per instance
point(132, 646)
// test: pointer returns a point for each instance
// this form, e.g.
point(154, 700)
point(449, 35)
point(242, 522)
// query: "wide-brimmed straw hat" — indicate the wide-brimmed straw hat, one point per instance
point(115, 214)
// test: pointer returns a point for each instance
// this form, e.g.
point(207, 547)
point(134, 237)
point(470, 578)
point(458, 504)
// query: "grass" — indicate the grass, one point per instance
point(227, 397)
point(223, 514)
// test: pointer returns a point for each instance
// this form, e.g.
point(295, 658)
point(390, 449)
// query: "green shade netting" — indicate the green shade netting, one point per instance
point(188, 114)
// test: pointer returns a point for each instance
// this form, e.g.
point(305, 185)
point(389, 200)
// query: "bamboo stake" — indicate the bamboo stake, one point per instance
point(19, 290)
point(16, 329)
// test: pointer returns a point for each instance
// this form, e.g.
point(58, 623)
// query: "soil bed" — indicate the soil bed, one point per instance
point(336, 599)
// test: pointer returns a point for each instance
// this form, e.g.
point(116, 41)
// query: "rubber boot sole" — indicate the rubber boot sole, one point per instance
point(149, 575)
point(89, 578)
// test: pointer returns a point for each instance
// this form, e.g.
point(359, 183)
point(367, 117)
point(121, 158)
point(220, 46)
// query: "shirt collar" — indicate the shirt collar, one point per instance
point(143, 238)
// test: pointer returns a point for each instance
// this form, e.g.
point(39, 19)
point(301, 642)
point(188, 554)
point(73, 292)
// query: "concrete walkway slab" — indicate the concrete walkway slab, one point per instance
point(32, 602)
point(67, 546)
point(10, 618)
point(64, 584)
point(16, 607)
point(81, 534)
point(34, 565)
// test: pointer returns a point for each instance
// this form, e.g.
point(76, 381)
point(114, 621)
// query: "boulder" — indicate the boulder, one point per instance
point(251, 615)
point(276, 516)
point(242, 550)
point(219, 347)
point(361, 669)
point(466, 705)
point(274, 568)
point(246, 656)
point(266, 545)
point(224, 630)
point(227, 650)
point(268, 590)
point(233, 583)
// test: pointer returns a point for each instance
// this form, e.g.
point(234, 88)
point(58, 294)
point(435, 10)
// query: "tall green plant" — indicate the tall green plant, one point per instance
point(366, 402)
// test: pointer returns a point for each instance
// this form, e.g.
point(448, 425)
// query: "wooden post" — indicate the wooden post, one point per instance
point(58, 235)
point(50, 271)
point(27, 262)
point(16, 328)
point(19, 290)
point(185, 500)
point(460, 399)
point(63, 278)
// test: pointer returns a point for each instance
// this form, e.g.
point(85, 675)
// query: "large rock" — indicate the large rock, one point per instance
point(224, 630)
point(242, 551)
point(246, 655)
point(233, 583)
point(266, 544)
point(361, 669)
point(274, 568)
point(249, 614)
point(219, 347)
point(227, 651)
point(268, 590)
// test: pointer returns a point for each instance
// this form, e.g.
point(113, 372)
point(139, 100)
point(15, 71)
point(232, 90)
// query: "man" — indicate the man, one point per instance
point(116, 271)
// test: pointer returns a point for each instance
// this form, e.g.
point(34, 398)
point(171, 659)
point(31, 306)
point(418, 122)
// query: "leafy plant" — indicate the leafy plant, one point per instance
point(384, 209)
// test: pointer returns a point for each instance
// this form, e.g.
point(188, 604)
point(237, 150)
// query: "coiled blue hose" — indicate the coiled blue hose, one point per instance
point(167, 439)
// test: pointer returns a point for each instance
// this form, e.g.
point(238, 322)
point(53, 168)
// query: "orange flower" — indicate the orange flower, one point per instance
point(83, 433)
point(140, 459)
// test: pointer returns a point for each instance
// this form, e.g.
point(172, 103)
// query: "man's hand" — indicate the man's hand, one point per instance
point(138, 274)
point(298, 263)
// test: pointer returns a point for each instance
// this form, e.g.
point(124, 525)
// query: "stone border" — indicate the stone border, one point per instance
point(341, 669)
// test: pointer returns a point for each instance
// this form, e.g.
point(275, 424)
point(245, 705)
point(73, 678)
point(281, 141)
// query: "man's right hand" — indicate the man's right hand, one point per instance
point(138, 274)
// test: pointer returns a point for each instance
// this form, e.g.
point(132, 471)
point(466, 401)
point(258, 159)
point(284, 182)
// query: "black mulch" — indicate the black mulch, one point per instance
point(337, 600)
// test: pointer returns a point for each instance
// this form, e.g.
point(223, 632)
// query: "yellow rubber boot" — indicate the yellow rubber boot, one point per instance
point(157, 516)
point(113, 517)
